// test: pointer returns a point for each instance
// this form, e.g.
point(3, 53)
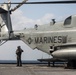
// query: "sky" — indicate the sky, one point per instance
point(26, 17)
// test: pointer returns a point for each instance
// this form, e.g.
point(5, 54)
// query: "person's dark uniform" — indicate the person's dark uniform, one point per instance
point(18, 53)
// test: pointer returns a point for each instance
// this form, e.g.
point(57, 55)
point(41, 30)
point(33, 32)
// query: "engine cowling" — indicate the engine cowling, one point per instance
point(68, 53)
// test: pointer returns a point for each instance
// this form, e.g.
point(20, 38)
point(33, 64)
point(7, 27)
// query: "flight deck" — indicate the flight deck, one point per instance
point(34, 69)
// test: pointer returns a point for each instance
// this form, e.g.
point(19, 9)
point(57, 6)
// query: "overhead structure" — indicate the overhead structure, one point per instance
point(19, 5)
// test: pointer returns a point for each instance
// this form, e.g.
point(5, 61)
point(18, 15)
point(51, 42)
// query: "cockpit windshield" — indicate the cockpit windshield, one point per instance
point(67, 21)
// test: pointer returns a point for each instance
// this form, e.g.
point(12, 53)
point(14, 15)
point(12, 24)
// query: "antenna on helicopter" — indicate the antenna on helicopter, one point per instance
point(19, 5)
point(53, 20)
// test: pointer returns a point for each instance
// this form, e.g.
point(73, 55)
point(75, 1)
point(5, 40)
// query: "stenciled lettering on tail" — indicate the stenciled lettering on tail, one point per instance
point(45, 40)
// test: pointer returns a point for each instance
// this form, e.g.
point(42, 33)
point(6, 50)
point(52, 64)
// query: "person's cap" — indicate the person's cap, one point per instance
point(18, 47)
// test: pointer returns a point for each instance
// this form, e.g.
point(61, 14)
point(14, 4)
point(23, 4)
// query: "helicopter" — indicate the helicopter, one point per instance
point(57, 38)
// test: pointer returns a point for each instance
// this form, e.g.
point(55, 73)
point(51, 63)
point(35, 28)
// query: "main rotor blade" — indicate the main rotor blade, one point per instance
point(52, 2)
point(45, 2)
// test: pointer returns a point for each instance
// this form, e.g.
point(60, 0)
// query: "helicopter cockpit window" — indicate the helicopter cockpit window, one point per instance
point(68, 21)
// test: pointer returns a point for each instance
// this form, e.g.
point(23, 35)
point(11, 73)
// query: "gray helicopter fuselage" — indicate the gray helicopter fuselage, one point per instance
point(52, 38)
